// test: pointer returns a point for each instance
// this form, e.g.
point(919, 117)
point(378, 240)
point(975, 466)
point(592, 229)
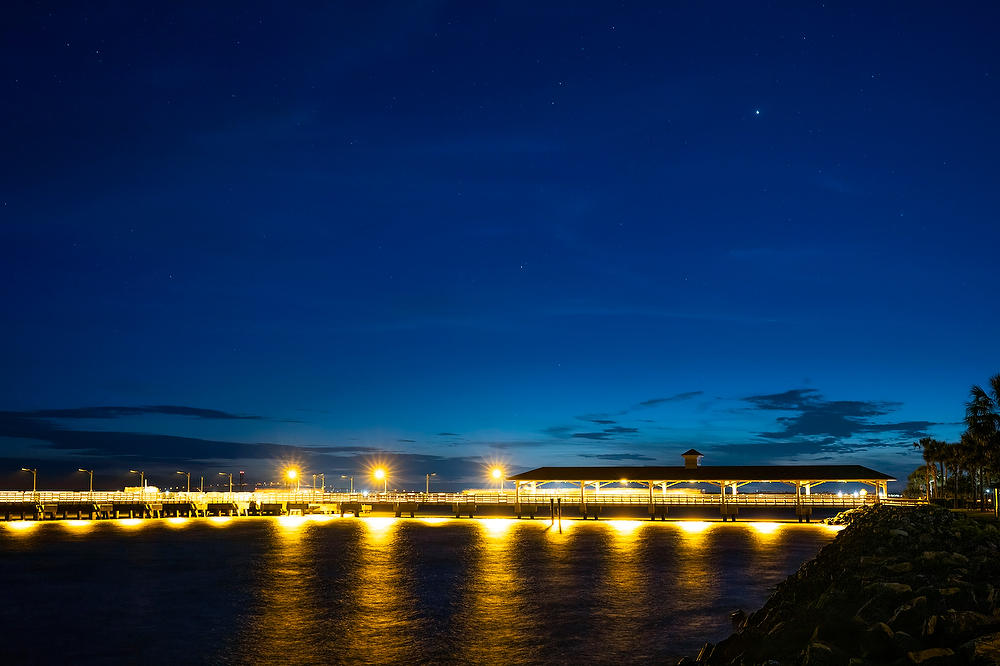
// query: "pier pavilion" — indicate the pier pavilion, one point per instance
point(729, 479)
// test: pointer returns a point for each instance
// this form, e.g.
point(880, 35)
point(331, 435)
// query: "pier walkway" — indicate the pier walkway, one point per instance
point(47, 505)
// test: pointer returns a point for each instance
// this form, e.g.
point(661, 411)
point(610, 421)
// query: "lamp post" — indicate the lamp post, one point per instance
point(427, 490)
point(91, 473)
point(345, 476)
point(34, 477)
point(322, 481)
point(142, 477)
point(380, 475)
point(230, 475)
point(293, 475)
point(188, 475)
point(497, 473)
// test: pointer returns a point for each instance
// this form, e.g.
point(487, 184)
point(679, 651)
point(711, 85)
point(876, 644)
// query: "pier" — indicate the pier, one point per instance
point(648, 492)
point(20, 506)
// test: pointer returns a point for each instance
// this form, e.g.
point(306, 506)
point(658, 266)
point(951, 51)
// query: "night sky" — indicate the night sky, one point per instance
point(238, 235)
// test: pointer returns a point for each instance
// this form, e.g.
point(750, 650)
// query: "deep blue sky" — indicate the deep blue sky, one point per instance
point(448, 233)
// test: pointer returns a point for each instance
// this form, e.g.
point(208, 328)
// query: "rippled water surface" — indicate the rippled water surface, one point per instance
point(383, 590)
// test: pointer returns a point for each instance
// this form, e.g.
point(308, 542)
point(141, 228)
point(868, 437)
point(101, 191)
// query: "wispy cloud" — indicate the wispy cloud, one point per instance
point(115, 412)
point(615, 456)
point(825, 423)
point(654, 402)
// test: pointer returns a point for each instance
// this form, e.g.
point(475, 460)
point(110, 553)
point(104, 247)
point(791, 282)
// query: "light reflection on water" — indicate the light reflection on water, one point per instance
point(390, 590)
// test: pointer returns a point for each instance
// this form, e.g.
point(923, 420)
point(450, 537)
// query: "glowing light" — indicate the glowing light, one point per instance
point(220, 520)
point(77, 525)
point(291, 522)
point(625, 527)
point(434, 521)
point(624, 482)
point(834, 528)
point(864, 492)
point(320, 518)
point(379, 527)
point(21, 525)
point(496, 472)
point(129, 522)
point(766, 528)
point(379, 473)
point(497, 527)
point(693, 526)
point(178, 521)
point(292, 473)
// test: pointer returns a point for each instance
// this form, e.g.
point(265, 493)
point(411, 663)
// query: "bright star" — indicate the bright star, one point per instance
point(756, 112)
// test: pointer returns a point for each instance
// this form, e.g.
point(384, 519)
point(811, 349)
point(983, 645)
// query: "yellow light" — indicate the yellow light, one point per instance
point(292, 473)
point(77, 525)
point(220, 520)
point(834, 528)
point(434, 520)
point(21, 525)
point(320, 517)
point(291, 522)
point(129, 522)
point(496, 527)
point(379, 473)
point(624, 481)
point(693, 526)
point(766, 528)
point(177, 521)
point(624, 526)
point(496, 472)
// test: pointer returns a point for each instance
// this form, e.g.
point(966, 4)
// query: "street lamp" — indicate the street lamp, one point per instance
point(380, 475)
point(230, 475)
point(91, 473)
point(34, 477)
point(293, 475)
point(322, 480)
point(142, 477)
point(497, 474)
point(345, 476)
point(427, 491)
point(188, 475)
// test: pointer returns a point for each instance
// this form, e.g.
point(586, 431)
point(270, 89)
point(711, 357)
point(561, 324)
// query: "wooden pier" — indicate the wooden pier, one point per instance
point(20, 506)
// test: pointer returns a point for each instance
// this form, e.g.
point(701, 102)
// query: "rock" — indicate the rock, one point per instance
point(905, 642)
point(878, 641)
point(933, 657)
point(705, 652)
point(738, 619)
point(909, 617)
point(900, 568)
point(900, 533)
point(982, 650)
point(821, 654)
point(959, 626)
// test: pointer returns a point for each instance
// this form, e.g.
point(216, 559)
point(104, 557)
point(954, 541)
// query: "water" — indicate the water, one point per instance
point(383, 590)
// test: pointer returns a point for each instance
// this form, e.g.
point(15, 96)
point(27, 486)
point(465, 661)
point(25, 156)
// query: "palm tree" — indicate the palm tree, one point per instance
point(930, 449)
point(982, 418)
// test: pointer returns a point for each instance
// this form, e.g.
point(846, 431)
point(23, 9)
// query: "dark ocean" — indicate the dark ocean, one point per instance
point(383, 590)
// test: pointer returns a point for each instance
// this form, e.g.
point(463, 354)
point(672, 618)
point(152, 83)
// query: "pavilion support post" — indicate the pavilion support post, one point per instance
point(517, 492)
point(583, 494)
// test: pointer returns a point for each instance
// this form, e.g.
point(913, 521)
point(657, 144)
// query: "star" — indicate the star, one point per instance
point(756, 112)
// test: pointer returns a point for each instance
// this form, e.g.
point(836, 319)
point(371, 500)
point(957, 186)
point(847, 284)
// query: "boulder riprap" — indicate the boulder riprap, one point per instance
point(899, 585)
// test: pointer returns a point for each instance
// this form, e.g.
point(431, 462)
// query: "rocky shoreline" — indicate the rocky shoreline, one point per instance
point(899, 585)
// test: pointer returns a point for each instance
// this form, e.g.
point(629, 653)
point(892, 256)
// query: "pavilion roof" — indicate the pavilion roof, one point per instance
point(779, 473)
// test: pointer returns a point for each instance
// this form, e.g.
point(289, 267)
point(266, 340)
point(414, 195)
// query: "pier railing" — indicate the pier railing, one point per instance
point(484, 498)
